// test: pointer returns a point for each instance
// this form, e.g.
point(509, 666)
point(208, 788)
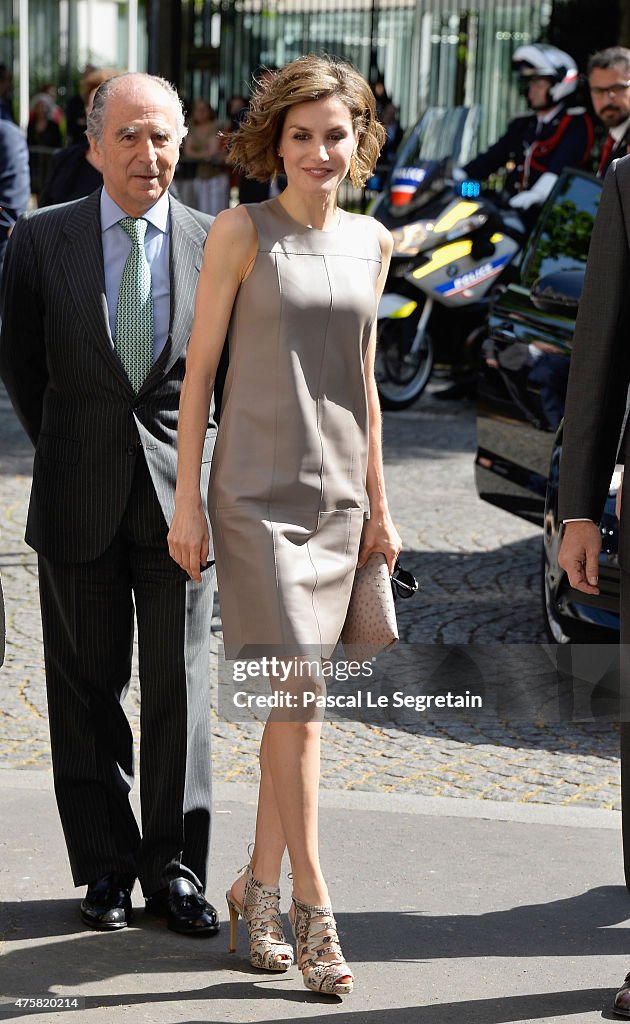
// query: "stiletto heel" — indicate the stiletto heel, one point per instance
point(234, 915)
point(268, 949)
point(319, 953)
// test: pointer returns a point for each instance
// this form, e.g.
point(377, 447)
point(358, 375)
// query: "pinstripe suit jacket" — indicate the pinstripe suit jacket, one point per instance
point(68, 387)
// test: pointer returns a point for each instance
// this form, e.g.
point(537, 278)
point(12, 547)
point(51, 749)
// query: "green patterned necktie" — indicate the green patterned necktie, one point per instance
point(134, 312)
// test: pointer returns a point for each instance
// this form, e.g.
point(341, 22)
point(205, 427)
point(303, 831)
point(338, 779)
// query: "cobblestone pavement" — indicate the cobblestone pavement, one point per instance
point(479, 569)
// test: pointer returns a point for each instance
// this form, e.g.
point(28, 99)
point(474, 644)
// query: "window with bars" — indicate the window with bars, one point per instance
point(438, 53)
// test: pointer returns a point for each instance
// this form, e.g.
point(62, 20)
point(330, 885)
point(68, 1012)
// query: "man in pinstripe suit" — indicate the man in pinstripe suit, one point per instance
point(105, 436)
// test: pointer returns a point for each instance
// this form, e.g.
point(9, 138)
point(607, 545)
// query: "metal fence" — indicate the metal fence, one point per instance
point(429, 52)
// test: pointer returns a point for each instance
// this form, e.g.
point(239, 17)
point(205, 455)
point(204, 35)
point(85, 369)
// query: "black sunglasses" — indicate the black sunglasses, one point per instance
point(404, 584)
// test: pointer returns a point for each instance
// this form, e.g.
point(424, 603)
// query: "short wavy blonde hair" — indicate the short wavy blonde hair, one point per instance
point(253, 149)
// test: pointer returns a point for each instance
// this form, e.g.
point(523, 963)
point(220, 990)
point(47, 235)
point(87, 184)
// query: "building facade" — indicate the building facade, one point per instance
point(427, 52)
point(50, 41)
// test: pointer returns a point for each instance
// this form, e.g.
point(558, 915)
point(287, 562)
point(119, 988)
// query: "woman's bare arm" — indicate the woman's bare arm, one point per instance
point(229, 255)
point(379, 533)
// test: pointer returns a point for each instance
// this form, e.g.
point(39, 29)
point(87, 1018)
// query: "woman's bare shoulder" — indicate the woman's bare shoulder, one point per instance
point(375, 230)
point(234, 224)
point(235, 233)
point(385, 239)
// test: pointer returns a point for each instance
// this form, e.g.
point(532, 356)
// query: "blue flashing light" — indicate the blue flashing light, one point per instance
point(469, 189)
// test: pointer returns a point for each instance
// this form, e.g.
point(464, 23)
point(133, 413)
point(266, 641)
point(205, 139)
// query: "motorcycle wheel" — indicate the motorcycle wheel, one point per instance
point(400, 376)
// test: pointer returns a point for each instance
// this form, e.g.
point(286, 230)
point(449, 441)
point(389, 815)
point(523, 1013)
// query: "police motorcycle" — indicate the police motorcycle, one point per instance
point(452, 243)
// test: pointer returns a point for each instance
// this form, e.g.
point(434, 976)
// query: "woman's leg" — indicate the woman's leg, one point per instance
point(202, 198)
point(270, 843)
point(293, 755)
point(294, 759)
point(255, 895)
point(287, 813)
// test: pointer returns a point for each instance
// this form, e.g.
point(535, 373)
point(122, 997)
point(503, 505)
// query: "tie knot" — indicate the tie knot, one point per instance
point(135, 227)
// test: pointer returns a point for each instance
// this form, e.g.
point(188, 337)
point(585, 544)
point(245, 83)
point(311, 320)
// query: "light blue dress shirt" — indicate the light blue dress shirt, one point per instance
point(116, 248)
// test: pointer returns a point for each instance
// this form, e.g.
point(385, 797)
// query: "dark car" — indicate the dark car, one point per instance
point(521, 395)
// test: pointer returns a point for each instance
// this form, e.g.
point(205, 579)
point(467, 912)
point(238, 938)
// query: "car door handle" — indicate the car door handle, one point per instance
point(505, 334)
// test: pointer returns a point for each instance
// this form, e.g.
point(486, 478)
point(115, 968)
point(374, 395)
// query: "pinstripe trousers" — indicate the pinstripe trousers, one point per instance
point(88, 624)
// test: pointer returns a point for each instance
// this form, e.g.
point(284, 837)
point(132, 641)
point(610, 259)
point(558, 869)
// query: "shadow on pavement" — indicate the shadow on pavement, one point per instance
point(482, 596)
point(455, 608)
point(579, 926)
point(503, 1010)
point(125, 953)
point(582, 925)
point(432, 430)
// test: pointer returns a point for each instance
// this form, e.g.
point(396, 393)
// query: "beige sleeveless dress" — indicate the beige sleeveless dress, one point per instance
point(287, 488)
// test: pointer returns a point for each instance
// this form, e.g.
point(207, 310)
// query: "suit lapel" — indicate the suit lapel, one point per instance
point(623, 146)
point(187, 239)
point(83, 266)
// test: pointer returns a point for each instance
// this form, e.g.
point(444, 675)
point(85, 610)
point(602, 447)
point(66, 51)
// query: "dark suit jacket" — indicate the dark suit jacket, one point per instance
point(69, 388)
point(600, 361)
point(70, 176)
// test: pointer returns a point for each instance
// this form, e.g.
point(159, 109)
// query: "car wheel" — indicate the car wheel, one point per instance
point(401, 376)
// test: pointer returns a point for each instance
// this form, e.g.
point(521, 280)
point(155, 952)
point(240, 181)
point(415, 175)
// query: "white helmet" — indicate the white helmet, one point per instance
point(547, 62)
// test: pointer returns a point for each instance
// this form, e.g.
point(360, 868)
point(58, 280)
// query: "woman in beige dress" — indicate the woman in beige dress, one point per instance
point(295, 282)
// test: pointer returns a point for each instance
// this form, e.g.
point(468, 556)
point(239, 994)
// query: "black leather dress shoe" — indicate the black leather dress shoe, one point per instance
point(185, 909)
point(107, 903)
point(622, 999)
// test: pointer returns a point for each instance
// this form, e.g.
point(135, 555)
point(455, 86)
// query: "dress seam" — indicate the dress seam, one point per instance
point(321, 255)
point(321, 446)
point(275, 449)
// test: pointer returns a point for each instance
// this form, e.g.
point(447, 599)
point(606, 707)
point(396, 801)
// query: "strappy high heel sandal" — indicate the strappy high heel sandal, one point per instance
point(319, 953)
point(268, 948)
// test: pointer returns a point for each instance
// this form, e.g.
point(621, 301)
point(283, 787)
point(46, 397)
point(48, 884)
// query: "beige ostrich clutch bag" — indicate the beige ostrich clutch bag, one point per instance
point(370, 624)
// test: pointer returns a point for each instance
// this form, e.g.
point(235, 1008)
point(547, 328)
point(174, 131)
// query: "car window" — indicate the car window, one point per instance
point(562, 239)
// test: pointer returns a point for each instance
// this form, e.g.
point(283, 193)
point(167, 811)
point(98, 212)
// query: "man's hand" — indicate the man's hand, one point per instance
point(579, 555)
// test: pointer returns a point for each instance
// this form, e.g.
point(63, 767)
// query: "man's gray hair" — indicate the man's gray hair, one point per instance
point(96, 117)
point(610, 58)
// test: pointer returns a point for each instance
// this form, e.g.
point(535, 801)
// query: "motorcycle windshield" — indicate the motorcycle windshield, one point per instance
point(441, 134)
